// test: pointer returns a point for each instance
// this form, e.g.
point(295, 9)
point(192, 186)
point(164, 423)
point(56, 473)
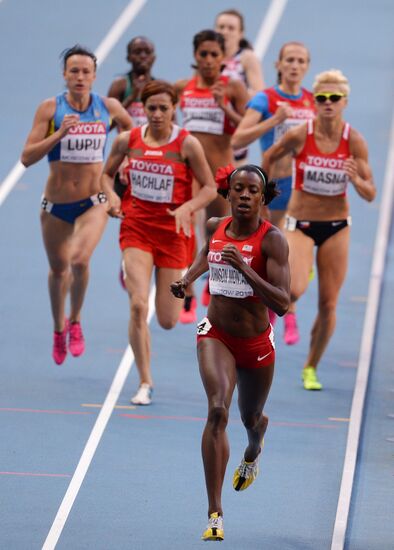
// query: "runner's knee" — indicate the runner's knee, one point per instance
point(218, 417)
point(139, 310)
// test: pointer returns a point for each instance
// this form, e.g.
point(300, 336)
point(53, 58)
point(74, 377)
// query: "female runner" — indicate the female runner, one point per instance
point(212, 105)
point(328, 155)
point(156, 225)
point(247, 259)
point(72, 129)
point(269, 115)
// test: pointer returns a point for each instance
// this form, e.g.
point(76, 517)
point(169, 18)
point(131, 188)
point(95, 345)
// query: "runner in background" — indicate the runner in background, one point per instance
point(127, 89)
point(212, 106)
point(240, 60)
point(156, 215)
point(270, 114)
point(328, 155)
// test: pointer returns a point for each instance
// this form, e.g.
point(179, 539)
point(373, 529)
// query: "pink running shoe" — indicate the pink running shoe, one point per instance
point(59, 351)
point(205, 295)
point(76, 343)
point(188, 312)
point(291, 335)
point(272, 316)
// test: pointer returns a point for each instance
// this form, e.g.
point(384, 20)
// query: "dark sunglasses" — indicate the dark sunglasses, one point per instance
point(322, 97)
point(205, 53)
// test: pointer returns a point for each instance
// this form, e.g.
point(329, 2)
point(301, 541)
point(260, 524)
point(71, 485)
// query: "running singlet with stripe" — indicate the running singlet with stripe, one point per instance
point(269, 101)
point(224, 279)
point(234, 68)
point(159, 176)
point(321, 173)
point(200, 111)
point(85, 142)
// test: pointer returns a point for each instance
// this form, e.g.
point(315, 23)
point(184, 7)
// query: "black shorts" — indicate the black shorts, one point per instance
point(318, 231)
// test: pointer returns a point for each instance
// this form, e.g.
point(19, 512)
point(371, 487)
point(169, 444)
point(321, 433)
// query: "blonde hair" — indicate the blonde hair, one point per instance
point(333, 76)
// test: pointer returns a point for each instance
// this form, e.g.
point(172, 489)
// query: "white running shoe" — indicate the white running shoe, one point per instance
point(143, 395)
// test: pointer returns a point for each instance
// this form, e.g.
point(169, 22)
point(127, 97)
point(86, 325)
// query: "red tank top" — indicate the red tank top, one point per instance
point(321, 173)
point(225, 279)
point(200, 111)
point(159, 177)
point(303, 109)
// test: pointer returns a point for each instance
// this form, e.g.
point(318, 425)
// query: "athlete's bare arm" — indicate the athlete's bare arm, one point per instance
point(115, 159)
point(358, 169)
point(291, 143)
point(199, 265)
point(118, 113)
point(253, 71)
point(39, 142)
point(275, 291)
point(252, 127)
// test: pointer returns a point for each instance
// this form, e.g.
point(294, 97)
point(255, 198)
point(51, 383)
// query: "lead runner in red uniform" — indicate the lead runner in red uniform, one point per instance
point(328, 154)
point(156, 212)
point(247, 259)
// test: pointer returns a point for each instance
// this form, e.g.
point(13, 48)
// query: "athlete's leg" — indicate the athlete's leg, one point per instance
point(253, 388)
point(138, 268)
point(168, 307)
point(300, 261)
point(218, 374)
point(332, 260)
point(57, 236)
point(277, 218)
point(88, 229)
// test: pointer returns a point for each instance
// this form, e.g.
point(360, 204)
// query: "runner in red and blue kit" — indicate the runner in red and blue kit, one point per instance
point(248, 272)
point(270, 114)
point(328, 156)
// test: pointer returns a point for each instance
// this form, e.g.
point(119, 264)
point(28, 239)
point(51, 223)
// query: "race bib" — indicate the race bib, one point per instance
point(285, 126)
point(84, 143)
point(153, 187)
point(203, 327)
point(225, 280)
point(203, 116)
point(137, 113)
point(324, 181)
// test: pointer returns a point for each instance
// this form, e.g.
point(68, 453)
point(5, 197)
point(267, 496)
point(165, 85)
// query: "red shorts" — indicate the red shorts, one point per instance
point(168, 248)
point(250, 353)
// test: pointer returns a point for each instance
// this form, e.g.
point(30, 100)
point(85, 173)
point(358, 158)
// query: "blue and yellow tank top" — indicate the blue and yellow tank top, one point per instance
point(85, 143)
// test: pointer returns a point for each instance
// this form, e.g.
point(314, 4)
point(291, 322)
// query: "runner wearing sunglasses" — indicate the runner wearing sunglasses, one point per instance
point(328, 154)
point(269, 115)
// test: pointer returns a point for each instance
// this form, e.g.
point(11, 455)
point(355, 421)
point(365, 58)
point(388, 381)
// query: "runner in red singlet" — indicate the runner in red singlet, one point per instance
point(328, 154)
point(156, 213)
point(212, 105)
point(271, 112)
point(247, 259)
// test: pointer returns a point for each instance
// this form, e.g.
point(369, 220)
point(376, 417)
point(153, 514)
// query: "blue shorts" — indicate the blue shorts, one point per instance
point(281, 201)
point(69, 211)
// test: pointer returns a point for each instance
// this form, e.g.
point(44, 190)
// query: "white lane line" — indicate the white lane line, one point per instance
point(368, 337)
point(11, 180)
point(109, 41)
point(268, 27)
point(94, 439)
point(116, 386)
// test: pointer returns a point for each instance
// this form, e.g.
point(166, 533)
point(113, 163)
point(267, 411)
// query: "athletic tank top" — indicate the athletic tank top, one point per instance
point(159, 177)
point(321, 173)
point(200, 111)
point(224, 279)
point(136, 108)
point(303, 109)
point(84, 143)
point(234, 69)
